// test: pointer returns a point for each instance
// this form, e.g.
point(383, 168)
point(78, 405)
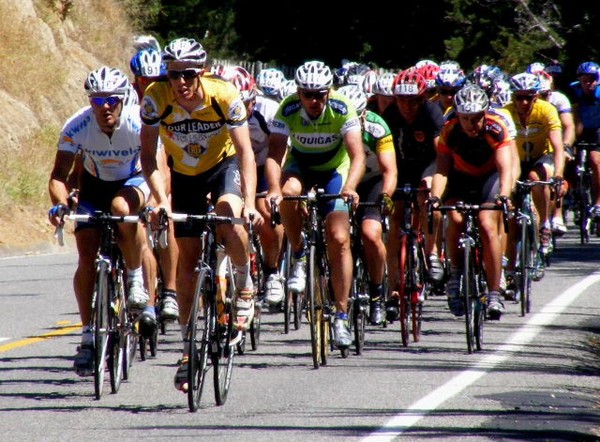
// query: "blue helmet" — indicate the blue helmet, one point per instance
point(588, 68)
point(147, 63)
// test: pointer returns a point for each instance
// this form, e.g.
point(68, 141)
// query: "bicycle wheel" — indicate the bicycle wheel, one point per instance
point(324, 303)
point(418, 288)
point(258, 279)
point(222, 355)
point(100, 327)
point(357, 306)
point(131, 343)
point(469, 298)
point(117, 320)
point(526, 263)
point(479, 311)
point(313, 301)
point(202, 322)
point(288, 298)
point(404, 281)
point(585, 203)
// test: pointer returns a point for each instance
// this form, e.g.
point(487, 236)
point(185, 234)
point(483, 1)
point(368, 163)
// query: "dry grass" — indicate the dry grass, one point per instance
point(46, 52)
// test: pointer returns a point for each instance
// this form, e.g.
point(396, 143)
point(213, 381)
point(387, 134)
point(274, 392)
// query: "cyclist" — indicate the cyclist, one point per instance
point(540, 147)
point(326, 150)
point(474, 165)
point(447, 83)
point(565, 113)
point(379, 181)
point(147, 67)
point(415, 124)
point(269, 81)
point(383, 94)
point(586, 106)
point(107, 134)
point(261, 111)
point(202, 122)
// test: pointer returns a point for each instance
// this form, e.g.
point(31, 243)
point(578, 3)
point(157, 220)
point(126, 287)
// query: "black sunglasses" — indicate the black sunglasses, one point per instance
point(317, 95)
point(527, 97)
point(187, 75)
point(101, 101)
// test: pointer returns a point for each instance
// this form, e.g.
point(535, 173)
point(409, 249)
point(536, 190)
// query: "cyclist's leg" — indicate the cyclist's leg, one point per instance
point(594, 164)
point(542, 170)
point(432, 240)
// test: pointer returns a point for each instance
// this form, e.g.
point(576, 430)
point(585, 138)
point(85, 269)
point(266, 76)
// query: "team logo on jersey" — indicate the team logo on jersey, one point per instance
point(338, 106)
point(195, 150)
point(419, 136)
point(237, 178)
point(149, 109)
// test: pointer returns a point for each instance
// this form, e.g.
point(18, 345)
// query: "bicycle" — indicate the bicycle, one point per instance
point(112, 325)
point(412, 267)
point(473, 284)
point(210, 336)
point(320, 308)
point(359, 295)
point(531, 262)
point(582, 192)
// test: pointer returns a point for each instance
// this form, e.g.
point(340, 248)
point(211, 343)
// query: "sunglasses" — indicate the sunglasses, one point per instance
point(447, 91)
point(187, 75)
point(527, 97)
point(101, 101)
point(317, 95)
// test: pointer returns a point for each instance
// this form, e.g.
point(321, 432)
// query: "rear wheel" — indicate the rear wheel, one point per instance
point(314, 306)
point(118, 320)
point(222, 356)
point(404, 281)
point(469, 299)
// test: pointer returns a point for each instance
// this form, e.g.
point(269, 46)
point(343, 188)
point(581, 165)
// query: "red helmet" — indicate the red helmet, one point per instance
point(409, 82)
point(429, 72)
point(243, 81)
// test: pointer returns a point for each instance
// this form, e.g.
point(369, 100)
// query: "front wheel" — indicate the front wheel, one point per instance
point(100, 324)
point(314, 306)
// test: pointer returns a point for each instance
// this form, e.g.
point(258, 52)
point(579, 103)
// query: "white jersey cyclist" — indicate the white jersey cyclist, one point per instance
point(258, 124)
point(107, 158)
point(317, 145)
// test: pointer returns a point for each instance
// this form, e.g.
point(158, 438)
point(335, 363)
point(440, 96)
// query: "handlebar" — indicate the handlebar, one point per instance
point(466, 208)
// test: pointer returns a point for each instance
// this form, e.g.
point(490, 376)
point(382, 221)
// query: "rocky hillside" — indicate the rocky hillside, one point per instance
point(48, 47)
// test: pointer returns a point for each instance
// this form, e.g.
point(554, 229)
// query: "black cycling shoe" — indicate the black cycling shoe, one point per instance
point(392, 313)
point(147, 324)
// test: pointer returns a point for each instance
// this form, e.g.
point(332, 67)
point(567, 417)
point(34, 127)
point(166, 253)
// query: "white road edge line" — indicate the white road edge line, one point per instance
point(417, 411)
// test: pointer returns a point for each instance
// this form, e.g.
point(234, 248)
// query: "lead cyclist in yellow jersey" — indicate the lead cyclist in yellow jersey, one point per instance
point(201, 121)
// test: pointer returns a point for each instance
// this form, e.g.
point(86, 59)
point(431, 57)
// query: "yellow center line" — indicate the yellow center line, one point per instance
point(63, 330)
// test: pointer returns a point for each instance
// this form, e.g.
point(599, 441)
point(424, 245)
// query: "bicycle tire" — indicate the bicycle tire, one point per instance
point(200, 327)
point(468, 287)
point(100, 328)
point(117, 320)
point(418, 286)
point(222, 356)
point(258, 280)
point(297, 310)
point(326, 317)
point(357, 307)
point(314, 313)
point(525, 265)
point(479, 303)
point(130, 346)
point(288, 297)
point(585, 201)
point(403, 301)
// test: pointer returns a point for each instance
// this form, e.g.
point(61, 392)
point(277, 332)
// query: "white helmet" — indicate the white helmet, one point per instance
point(288, 87)
point(356, 95)
point(269, 81)
point(314, 75)
point(384, 85)
point(471, 99)
point(106, 81)
point(145, 42)
point(370, 82)
point(185, 50)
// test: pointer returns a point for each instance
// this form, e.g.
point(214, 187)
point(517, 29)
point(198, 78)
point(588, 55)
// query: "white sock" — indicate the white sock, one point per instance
point(135, 275)
point(243, 280)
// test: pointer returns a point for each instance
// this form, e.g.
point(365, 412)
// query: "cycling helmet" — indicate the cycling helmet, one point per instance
point(524, 82)
point(384, 85)
point(185, 50)
point(485, 76)
point(535, 68)
point(145, 42)
point(501, 93)
point(588, 68)
point(554, 68)
point(106, 81)
point(409, 82)
point(545, 80)
point(269, 80)
point(243, 81)
point(471, 99)
point(449, 65)
point(288, 87)
point(450, 78)
point(425, 62)
point(369, 83)
point(147, 63)
point(218, 69)
point(429, 73)
point(356, 95)
point(314, 75)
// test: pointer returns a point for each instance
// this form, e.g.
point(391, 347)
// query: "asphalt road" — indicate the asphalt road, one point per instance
point(538, 377)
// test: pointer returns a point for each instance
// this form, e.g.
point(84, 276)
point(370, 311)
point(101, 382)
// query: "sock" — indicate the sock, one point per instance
point(243, 280)
point(183, 337)
point(135, 275)
point(271, 271)
point(341, 315)
point(546, 224)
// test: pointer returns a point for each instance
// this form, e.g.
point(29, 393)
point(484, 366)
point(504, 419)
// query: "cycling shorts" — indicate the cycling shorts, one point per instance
point(472, 189)
point(190, 193)
point(96, 194)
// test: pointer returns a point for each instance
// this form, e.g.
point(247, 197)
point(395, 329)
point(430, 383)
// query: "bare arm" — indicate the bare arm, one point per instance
point(389, 171)
point(556, 140)
point(154, 178)
point(241, 140)
point(504, 164)
point(57, 185)
point(277, 150)
point(443, 165)
point(353, 141)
